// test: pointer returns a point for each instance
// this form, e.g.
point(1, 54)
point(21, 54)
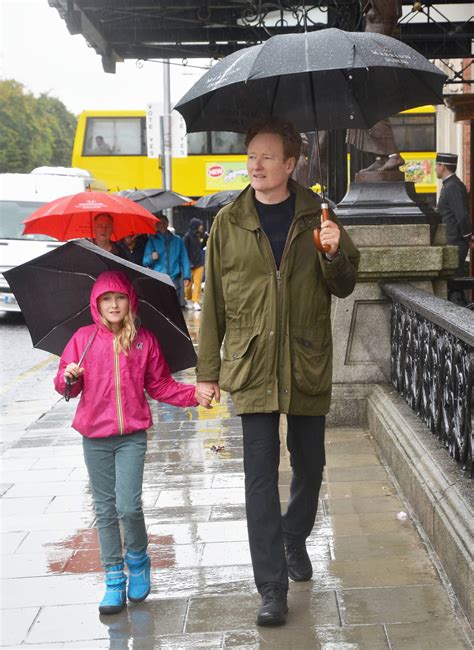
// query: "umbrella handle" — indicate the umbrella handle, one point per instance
point(324, 248)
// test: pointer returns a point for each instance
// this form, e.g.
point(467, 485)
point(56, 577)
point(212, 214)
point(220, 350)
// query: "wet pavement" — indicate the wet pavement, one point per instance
point(376, 581)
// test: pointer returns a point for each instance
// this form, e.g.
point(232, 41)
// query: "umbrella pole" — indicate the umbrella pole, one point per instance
point(324, 203)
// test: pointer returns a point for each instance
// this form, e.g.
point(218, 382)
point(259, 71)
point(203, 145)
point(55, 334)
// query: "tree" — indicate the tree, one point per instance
point(33, 131)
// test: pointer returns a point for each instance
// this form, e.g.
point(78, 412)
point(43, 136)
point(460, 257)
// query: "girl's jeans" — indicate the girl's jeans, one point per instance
point(115, 467)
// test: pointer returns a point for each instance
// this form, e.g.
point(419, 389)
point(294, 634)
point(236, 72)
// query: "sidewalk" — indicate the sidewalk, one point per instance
point(375, 585)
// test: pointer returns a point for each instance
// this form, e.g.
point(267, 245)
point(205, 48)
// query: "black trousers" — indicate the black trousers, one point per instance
point(267, 528)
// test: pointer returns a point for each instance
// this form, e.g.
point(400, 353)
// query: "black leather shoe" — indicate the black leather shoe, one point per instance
point(298, 562)
point(274, 607)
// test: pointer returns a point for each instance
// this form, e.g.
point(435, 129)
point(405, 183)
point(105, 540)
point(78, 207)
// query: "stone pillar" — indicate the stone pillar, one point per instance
point(408, 253)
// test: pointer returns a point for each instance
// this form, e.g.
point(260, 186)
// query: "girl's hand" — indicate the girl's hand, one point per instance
point(204, 395)
point(73, 372)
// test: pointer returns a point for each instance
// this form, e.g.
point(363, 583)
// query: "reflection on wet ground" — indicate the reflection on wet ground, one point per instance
point(374, 586)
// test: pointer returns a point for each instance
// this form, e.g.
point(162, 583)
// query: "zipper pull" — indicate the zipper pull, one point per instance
point(278, 276)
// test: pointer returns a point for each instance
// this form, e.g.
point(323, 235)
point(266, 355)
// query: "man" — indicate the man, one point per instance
point(454, 211)
point(101, 147)
point(165, 252)
point(268, 297)
point(133, 248)
point(381, 17)
point(103, 227)
point(193, 240)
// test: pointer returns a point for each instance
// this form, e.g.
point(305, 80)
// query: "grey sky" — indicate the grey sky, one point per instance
point(37, 50)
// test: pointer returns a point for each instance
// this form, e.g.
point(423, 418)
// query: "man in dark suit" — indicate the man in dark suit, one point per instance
point(454, 211)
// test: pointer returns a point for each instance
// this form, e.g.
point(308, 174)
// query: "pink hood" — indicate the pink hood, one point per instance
point(112, 281)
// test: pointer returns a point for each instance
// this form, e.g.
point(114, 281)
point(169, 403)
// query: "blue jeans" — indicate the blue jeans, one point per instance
point(115, 466)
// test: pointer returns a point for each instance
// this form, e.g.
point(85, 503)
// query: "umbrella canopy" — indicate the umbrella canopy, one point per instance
point(155, 200)
point(344, 79)
point(53, 292)
point(217, 200)
point(71, 217)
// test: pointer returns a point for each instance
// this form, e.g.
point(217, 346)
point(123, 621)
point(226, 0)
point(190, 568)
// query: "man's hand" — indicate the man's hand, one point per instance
point(208, 390)
point(73, 372)
point(154, 255)
point(187, 283)
point(330, 236)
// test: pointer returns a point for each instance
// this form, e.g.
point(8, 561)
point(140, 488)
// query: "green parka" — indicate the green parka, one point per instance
point(275, 323)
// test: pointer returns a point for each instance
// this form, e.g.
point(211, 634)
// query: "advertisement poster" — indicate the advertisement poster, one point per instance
point(226, 176)
point(420, 169)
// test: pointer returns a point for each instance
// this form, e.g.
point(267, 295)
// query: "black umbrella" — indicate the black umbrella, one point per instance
point(155, 200)
point(217, 200)
point(326, 79)
point(53, 292)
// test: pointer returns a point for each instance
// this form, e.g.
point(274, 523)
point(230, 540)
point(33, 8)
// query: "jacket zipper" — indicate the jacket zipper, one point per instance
point(118, 398)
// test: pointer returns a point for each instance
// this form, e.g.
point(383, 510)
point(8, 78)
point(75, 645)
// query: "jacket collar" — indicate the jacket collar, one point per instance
point(243, 212)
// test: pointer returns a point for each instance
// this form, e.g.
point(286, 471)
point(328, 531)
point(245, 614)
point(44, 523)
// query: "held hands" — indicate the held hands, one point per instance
point(73, 372)
point(205, 391)
point(154, 255)
point(187, 283)
point(330, 236)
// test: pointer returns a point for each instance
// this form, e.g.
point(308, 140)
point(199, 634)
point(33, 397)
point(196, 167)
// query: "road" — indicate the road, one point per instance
point(19, 361)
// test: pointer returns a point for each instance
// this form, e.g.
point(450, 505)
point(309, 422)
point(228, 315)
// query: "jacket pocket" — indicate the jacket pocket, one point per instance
point(237, 356)
point(312, 362)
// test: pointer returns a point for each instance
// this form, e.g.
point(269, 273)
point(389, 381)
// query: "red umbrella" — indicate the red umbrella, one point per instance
point(72, 217)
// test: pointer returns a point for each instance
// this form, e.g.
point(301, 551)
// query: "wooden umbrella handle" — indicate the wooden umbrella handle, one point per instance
point(324, 248)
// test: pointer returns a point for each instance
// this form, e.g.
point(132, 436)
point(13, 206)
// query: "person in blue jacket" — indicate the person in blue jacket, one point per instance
point(165, 252)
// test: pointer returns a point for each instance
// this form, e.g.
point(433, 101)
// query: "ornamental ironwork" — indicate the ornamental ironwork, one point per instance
point(433, 370)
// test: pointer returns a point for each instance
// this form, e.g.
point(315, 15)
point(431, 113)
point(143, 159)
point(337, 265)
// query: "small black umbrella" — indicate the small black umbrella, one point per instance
point(53, 293)
point(326, 79)
point(217, 200)
point(155, 200)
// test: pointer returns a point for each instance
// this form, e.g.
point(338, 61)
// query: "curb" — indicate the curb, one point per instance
point(433, 485)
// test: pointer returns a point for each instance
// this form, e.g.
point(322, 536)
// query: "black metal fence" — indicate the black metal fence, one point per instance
point(432, 365)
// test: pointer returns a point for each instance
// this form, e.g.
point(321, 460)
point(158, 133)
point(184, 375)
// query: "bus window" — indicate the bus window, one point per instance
point(108, 136)
point(197, 143)
point(215, 143)
point(415, 132)
point(225, 142)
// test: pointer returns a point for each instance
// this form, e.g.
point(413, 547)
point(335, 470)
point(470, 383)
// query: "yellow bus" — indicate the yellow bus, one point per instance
point(415, 135)
point(112, 146)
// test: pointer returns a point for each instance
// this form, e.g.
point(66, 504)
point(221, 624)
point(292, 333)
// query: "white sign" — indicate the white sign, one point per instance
point(179, 143)
point(154, 112)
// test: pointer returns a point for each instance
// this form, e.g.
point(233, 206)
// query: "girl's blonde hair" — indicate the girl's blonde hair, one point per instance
point(123, 339)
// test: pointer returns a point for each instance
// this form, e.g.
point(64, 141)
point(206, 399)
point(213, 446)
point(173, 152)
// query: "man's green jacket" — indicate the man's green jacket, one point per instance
point(275, 323)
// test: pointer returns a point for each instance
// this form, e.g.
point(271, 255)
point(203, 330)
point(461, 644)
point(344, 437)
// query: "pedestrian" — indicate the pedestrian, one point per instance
point(454, 211)
point(165, 252)
point(192, 240)
point(132, 248)
point(268, 298)
point(123, 361)
point(103, 227)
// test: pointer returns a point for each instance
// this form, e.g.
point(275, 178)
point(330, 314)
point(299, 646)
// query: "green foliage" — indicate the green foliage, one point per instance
point(33, 131)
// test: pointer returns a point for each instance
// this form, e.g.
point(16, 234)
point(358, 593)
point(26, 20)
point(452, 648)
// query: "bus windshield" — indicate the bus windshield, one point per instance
point(12, 214)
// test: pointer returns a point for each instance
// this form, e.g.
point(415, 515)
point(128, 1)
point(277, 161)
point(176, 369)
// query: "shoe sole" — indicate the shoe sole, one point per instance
point(110, 610)
point(299, 578)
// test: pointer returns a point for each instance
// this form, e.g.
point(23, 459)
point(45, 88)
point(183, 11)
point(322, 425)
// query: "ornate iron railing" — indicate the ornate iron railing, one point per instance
point(432, 365)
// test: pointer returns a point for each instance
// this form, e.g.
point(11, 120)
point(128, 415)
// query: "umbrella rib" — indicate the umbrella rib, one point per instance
point(145, 302)
point(63, 322)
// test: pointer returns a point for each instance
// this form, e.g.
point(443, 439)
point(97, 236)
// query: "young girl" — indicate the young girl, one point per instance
point(113, 414)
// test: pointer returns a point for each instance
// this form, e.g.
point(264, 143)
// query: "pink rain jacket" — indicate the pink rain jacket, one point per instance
point(113, 385)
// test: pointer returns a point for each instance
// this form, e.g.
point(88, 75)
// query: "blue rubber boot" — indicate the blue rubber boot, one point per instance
point(138, 575)
point(115, 590)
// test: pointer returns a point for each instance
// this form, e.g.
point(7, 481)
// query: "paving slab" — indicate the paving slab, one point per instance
point(375, 584)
